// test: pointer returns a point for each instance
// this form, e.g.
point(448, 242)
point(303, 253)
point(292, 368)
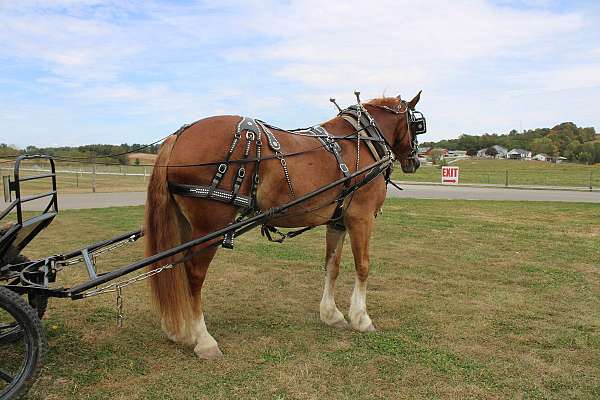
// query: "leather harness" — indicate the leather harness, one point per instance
point(251, 130)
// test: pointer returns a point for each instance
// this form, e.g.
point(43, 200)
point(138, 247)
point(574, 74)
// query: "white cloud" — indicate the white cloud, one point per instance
point(172, 63)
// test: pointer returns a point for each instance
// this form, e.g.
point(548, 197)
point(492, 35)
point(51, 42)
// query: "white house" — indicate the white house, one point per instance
point(519, 154)
point(500, 152)
point(541, 157)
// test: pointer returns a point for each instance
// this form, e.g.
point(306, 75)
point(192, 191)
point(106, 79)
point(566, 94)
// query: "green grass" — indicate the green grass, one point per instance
point(466, 306)
point(536, 173)
point(68, 182)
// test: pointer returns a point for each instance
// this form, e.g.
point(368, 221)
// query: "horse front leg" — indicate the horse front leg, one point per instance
point(330, 314)
point(360, 233)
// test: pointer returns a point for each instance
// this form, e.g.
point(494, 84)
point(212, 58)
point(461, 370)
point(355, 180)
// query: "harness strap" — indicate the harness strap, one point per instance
point(204, 192)
point(267, 230)
point(364, 119)
point(352, 121)
point(331, 145)
point(271, 139)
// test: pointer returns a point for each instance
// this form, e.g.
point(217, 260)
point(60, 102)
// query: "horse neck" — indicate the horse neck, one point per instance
point(386, 121)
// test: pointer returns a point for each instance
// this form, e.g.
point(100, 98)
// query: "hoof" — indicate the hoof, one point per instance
point(339, 324)
point(211, 353)
point(363, 324)
point(369, 328)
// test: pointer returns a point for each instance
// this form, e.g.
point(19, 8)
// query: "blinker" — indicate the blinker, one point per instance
point(418, 125)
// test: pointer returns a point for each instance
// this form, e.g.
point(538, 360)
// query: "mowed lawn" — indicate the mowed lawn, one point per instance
point(471, 300)
point(533, 173)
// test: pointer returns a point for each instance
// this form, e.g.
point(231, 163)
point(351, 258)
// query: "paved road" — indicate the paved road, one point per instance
point(491, 193)
point(89, 200)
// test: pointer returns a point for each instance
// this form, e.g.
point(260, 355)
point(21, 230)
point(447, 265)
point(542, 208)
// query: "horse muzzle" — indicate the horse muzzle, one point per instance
point(410, 165)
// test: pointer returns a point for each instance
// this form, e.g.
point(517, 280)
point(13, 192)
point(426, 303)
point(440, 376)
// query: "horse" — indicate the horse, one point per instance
point(301, 165)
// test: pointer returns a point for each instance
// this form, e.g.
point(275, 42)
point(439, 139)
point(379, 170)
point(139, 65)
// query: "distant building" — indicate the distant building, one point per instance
point(500, 152)
point(556, 160)
point(423, 151)
point(540, 157)
point(519, 154)
point(457, 153)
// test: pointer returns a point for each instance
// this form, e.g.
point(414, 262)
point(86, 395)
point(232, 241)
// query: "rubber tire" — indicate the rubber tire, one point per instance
point(36, 301)
point(34, 337)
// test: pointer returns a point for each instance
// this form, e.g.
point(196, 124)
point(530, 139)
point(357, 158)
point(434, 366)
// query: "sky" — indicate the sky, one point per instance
point(77, 72)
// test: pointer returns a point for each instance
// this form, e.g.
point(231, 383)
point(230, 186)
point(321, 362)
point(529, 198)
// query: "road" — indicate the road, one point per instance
point(420, 191)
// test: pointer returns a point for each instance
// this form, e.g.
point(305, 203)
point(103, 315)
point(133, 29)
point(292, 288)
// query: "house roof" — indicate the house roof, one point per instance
point(519, 151)
point(423, 149)
point(499, 149)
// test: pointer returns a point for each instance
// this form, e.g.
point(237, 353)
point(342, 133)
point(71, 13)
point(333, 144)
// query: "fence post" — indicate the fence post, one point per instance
point(94, 173)
point(144, 174)
point(591, 173)
point(506, 180)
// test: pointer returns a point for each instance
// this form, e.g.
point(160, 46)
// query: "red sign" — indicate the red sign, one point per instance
point(450, 175)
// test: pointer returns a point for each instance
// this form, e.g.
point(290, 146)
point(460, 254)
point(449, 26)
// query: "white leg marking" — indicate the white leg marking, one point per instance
point(184, 336)
point(206, 345)
point(329, 312)
point(359, 318)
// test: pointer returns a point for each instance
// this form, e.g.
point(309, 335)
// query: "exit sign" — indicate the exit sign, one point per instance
point(450, 175)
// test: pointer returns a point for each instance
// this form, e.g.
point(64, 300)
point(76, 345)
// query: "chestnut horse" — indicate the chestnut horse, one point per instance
point(172, 219)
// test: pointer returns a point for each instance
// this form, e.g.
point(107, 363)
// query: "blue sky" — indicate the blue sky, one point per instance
point(84, 71)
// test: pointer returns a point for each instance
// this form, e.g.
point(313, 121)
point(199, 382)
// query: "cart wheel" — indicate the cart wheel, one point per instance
point(22, 345)
point(37, 301)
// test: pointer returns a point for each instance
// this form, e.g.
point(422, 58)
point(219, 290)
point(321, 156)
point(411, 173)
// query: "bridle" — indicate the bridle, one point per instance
point(415, 123)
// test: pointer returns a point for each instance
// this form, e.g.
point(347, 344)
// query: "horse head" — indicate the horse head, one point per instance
point(401, 123)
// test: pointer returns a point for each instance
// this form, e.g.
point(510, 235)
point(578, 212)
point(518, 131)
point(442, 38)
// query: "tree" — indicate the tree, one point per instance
point(543, 145)
point(584, 157)
point(436, 155)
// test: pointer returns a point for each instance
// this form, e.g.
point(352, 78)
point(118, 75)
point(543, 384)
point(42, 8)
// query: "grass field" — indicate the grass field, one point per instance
point(471, 300)
point(471, 171)
point(519, 173)
point(118, 181)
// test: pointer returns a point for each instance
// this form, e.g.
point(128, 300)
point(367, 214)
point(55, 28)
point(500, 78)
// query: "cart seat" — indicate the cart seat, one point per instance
point(16, 237)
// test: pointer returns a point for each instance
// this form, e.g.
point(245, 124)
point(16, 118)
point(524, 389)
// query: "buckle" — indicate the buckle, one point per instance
point(223, 169)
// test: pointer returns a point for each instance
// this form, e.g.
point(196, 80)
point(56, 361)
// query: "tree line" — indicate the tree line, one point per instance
point(577, 144)
point(87, 152)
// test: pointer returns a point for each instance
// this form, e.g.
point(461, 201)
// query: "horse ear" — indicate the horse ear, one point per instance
point(412, 104)
point(398, 97)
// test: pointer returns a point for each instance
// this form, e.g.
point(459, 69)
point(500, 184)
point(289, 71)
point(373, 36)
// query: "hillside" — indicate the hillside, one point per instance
point(567, 140)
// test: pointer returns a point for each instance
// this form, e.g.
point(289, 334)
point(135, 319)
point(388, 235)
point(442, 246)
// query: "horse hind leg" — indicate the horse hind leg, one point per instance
point(330, 314)
point(204, 218)
point(205, 346)
point(360, 232)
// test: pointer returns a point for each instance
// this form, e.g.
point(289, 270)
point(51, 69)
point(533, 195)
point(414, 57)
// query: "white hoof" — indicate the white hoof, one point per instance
point(333, 317)
point(339, 323)
point(210, 353)
point(362, 323)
